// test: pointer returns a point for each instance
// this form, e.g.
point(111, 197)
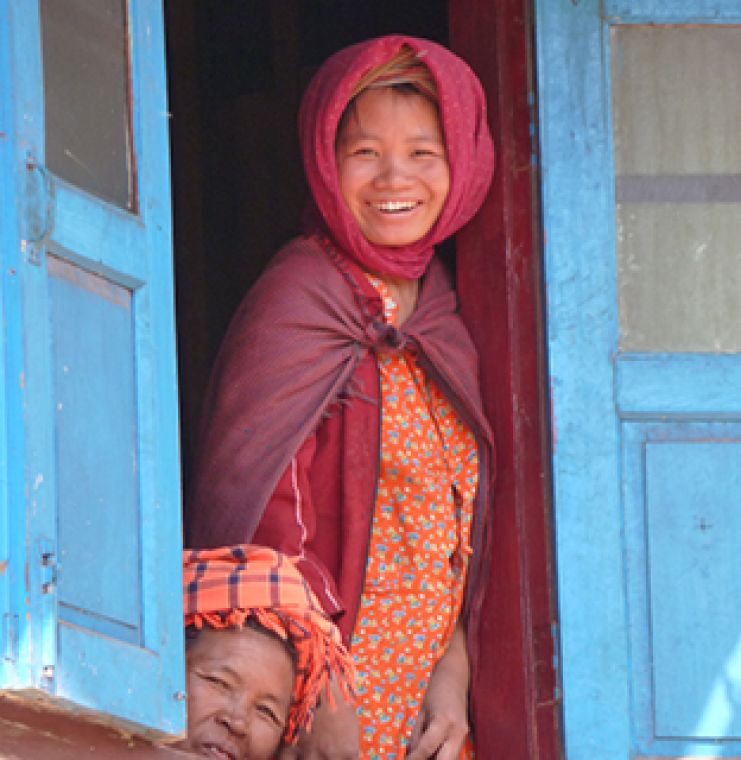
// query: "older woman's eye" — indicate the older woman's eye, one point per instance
point(215, 680)
point(270, 714)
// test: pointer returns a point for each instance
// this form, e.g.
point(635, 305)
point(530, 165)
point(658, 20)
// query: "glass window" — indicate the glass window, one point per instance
point(86, 96)
point(677, 110)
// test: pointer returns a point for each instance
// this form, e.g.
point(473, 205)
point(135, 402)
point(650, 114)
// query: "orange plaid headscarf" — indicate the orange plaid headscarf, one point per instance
point(225, 586)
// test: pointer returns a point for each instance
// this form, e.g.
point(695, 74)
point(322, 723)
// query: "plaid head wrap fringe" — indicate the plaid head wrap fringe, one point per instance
point(223, 587)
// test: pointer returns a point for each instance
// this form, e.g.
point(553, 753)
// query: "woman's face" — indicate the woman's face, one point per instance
point(393, 167)
point(239, 692)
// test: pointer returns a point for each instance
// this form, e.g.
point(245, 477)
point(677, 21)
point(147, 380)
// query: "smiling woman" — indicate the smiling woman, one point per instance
point(344, 424)
point(393, 166)
point(259, 652)
point(239, 692)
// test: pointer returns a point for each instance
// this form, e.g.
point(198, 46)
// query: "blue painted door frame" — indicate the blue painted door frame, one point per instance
point(646, 446)
point(90, 526)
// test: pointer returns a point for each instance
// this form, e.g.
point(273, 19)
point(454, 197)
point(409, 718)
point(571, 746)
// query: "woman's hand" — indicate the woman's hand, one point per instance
point(334, 735)
point(442, 725)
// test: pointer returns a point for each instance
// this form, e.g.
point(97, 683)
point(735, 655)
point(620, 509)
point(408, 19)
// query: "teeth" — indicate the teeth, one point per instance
point(395, 205)
point(218, 752)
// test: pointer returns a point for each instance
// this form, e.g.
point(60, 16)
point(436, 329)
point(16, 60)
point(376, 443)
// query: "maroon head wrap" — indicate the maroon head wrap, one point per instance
point(467, 139)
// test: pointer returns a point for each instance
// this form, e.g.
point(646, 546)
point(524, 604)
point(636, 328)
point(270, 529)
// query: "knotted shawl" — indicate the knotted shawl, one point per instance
point(225, 586)
point(289, 353)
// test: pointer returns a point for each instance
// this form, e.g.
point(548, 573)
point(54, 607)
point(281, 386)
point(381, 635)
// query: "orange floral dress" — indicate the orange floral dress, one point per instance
point(418, 553)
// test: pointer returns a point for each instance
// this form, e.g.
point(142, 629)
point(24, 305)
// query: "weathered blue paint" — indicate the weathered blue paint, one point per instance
point(679, 384)
point(609, 499)
point(682, 481)
point(582, 337)
point(91, 334)
point(19, 628)
point(95, 400)
point(675, 12)
point(11, 482)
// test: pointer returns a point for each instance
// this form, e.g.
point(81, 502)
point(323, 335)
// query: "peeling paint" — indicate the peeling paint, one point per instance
point(3, 566)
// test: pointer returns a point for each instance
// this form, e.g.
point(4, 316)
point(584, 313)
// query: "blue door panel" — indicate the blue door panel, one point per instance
point(682, 486)
point(86, 660)
point(646, 446)
point(93, 610)
point(96, 454)
point(693, 501)
point(681, 384)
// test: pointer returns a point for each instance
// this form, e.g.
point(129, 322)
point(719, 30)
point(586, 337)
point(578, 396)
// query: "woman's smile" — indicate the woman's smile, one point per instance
point(396, 207)
point(393, 166)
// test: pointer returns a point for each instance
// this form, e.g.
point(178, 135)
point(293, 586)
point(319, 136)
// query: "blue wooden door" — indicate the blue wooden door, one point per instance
point(90, 536)
point(640, 107)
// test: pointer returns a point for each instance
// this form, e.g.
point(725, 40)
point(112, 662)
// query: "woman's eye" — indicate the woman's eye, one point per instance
point(216, 681)
point(363, 151)
point(425, 153)
point(269, 713)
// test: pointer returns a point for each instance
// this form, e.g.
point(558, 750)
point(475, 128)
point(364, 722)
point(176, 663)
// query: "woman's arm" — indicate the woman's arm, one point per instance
point(442, 725)
point(289, 525)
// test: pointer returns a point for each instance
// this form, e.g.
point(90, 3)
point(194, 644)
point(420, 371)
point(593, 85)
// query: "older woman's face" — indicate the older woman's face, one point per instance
point(239, 692)
point(393, 167)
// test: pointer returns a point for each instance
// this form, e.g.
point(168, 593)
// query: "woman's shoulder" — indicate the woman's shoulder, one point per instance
point(300, 256)
point(300, 278)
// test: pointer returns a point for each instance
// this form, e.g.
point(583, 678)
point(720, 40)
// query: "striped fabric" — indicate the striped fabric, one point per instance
point(223, 587)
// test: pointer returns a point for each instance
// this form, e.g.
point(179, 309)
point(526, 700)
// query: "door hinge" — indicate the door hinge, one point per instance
point(37, 209)
point(48, 568)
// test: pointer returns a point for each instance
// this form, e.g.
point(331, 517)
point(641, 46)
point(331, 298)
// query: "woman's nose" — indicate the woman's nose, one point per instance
point(235, 719)
point(392, 172)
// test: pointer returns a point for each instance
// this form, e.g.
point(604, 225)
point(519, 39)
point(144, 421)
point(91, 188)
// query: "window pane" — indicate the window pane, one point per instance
point(86, 82)
point(677, 108)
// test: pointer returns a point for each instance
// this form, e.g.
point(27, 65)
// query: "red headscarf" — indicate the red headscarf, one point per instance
point(467, 139)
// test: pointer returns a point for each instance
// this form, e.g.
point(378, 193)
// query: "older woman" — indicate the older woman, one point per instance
point(260, 652)
point(344, 424)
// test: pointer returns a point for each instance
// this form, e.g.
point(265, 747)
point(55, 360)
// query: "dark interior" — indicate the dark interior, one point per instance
point(237, 69)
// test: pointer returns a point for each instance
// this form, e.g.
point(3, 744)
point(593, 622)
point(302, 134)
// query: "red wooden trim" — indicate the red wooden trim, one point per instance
point(500, 283)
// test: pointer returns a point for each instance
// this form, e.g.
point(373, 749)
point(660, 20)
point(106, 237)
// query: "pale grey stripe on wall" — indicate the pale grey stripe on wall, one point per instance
point(679, 188)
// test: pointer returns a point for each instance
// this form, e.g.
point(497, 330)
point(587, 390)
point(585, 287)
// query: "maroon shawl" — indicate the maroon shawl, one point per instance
point(290, 352)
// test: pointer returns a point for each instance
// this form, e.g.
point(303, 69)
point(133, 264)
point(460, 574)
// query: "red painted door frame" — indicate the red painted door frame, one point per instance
point(501, 288)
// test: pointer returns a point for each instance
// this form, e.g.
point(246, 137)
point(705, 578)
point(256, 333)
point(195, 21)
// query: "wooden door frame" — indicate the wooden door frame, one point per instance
point(500, 280)
point(500, 283)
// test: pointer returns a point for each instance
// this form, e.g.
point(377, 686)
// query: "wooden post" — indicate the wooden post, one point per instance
point(500, 284)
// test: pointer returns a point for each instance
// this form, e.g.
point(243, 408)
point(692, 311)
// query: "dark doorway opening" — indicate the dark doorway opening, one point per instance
point(237, 70)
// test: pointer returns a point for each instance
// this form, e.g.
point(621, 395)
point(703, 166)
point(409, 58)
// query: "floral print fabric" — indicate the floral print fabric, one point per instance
point(418, 554)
